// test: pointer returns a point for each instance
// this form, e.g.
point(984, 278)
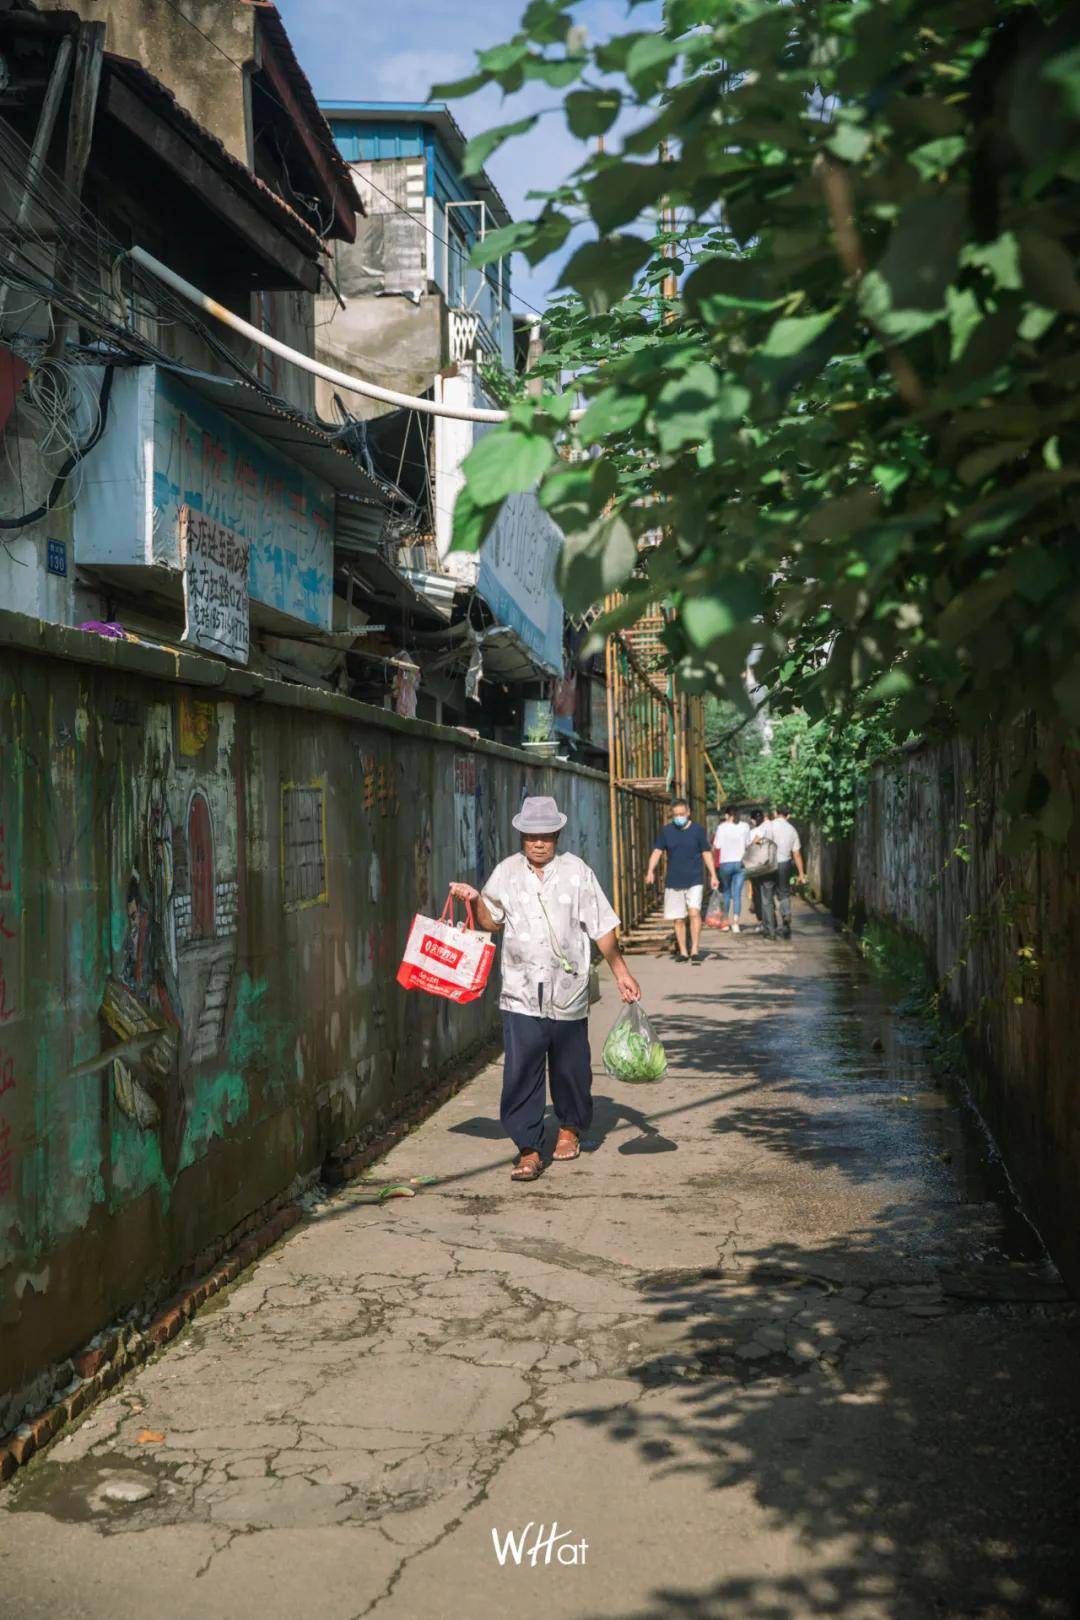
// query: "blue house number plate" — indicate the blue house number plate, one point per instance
point(57, 557)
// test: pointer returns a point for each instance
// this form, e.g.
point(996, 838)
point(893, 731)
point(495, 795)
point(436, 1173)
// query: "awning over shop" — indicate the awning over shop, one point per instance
point(360, 540)
point(319, 451)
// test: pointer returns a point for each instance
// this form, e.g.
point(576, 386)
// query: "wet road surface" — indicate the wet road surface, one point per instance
point(779, 1345)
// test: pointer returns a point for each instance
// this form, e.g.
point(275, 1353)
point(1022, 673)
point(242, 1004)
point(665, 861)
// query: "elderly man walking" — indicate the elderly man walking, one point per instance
point(549, 905)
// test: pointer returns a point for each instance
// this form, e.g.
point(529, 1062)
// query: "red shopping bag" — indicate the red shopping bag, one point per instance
point(447, 960)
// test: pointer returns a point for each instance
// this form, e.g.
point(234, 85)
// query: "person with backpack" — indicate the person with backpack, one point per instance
point(752, 825)
point(788, 860)
point(760, 864)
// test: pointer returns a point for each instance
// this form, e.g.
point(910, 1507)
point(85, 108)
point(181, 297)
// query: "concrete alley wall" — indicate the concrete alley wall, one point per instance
point(213, 875)
point(932, 854)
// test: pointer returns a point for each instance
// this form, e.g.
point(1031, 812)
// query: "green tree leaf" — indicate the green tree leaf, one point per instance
point(863, 397)
point(934, 156)
point(596, 563)
point(649, 60)
point(603, 272)
point(481, 147)
point(502, 57)
point(504, 462)
point(849, 142)
point(557, 71)
point(690, 408)
point(592, 112)
point(792, 336)
point(620, 192)
point(1048, 271)
point(472, 523)
point(729, 604)
point(612, 411)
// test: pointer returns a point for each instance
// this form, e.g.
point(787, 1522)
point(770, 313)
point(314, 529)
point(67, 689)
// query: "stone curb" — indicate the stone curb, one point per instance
point(101, 1367)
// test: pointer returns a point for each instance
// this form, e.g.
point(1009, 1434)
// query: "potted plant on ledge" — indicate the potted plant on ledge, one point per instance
point(539, 728)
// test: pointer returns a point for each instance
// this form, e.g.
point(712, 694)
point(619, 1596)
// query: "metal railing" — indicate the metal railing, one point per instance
point(636, 818)
point(656, 747)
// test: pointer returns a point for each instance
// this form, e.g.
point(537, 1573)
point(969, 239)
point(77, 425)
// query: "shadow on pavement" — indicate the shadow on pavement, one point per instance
point(922, 1437)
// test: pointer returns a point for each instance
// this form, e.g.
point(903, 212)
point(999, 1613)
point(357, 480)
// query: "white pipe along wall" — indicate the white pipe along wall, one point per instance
point(389, 396)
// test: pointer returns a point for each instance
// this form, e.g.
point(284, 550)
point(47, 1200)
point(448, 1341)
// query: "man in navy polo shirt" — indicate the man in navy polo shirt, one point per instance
point(686, 846)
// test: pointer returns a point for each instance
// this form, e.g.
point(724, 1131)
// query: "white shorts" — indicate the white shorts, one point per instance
point(677, 902)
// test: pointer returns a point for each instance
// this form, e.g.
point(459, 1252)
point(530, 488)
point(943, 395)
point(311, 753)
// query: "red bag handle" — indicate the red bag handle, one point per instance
point(447, 914)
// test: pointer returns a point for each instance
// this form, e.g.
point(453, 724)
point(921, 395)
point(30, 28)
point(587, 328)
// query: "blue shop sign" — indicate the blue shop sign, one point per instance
point(206, 461)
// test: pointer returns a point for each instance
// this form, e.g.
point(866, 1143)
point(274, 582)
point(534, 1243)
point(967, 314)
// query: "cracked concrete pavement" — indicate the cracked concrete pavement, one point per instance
point(778, 1345)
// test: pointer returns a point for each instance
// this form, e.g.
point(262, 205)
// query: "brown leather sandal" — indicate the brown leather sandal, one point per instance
point(567, 1139)
point(527, 1167)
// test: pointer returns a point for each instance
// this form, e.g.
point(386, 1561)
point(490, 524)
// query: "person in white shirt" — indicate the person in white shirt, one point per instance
point(729, 845)
point(788, 859)
point(550, 908)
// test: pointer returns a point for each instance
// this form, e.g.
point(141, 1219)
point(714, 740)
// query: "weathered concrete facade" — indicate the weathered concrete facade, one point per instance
point(932, 854)
point(214, 84)
point(209, 876)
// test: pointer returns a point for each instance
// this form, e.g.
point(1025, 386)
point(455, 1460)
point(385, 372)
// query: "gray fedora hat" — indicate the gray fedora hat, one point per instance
point(539, 815)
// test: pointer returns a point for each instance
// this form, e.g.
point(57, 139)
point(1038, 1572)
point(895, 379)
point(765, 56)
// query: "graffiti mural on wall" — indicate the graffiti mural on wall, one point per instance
point(422, 852)
point(469, 818)
point(379, 786)
point(166, 1005)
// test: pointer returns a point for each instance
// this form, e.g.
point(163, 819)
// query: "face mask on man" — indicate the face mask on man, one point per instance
point(680, 821)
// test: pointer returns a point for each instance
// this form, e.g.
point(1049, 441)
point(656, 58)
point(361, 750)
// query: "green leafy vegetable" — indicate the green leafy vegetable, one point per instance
point(631, 1051)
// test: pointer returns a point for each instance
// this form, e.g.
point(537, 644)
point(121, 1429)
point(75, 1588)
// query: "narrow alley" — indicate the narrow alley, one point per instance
point(778, 1345)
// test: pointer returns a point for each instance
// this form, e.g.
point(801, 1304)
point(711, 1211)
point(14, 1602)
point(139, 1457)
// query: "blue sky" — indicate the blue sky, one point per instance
point(395, 52)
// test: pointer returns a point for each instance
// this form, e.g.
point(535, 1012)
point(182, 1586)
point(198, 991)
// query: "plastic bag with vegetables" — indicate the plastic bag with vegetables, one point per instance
point(631, 1051)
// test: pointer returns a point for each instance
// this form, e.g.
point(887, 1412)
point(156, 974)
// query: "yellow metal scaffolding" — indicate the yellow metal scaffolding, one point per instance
point(656, 748)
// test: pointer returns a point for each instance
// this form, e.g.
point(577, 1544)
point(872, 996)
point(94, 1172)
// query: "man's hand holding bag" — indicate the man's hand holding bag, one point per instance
point(447, 959)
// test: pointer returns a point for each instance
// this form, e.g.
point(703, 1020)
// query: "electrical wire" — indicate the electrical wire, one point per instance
point(72, 460)
point(430, 231)
point(99, 287)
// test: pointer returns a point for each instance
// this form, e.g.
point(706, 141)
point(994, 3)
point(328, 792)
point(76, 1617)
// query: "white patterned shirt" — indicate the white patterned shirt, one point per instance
point(547, 922)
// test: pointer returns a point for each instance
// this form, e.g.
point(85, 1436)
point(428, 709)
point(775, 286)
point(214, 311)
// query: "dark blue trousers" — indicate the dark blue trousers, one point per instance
point(534, 1047)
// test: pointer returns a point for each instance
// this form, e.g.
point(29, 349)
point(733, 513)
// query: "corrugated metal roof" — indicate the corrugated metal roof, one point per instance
point(436, 589)
point(507, 657)
point(359, 535)
point(288, 431)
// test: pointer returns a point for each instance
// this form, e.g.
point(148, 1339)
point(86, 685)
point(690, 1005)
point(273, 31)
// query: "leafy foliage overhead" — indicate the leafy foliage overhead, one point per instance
point(852, 411)
point(820, 771)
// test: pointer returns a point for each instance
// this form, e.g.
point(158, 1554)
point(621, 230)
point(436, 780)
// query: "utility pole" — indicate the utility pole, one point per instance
point(89, 54)
point(667, 224)
point(54, 94)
